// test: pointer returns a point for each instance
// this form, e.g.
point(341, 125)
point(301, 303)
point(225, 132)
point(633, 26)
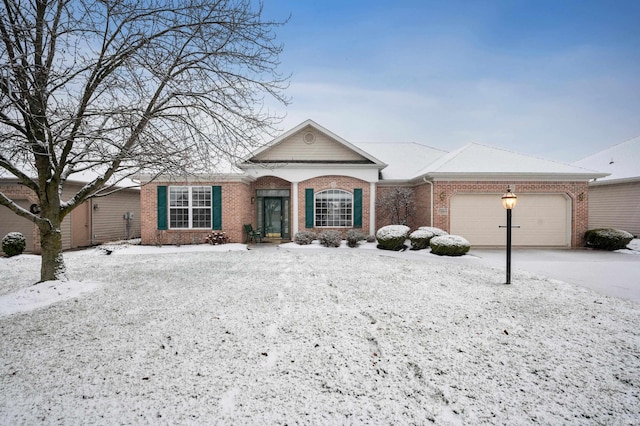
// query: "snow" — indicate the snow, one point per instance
point(393, 231)
point(310, 335)
point(622, 161)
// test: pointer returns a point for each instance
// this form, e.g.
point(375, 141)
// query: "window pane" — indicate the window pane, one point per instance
point(178, 218)
point(201, 196)
point(202, 218)
point(179, 196)
point(334, 208)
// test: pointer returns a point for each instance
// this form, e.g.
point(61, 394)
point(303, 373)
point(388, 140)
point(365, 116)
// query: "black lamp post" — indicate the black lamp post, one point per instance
point(509, 201)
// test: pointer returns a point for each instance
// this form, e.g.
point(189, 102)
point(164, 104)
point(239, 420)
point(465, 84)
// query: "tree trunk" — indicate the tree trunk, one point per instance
point(52, 266)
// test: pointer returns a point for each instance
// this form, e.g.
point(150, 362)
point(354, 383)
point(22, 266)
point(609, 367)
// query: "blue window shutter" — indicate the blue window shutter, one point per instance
point(162, 208)
point(308, 208)
point(357, 208)
point(216, 207)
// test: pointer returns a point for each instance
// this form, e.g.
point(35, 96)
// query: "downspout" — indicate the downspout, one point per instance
point(424, 178)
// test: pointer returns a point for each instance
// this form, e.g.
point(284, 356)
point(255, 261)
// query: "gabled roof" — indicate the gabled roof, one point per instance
point(622, 161)
point(481, 161)
point(355, 154)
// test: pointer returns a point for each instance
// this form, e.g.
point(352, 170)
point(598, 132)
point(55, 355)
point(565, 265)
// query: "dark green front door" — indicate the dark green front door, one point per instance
point(273, 217)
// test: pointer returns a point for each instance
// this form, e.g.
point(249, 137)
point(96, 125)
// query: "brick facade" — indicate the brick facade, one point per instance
point(344, 183)
point(238, 204)
point(576, 191)
point(236, 211)
point(421, 215)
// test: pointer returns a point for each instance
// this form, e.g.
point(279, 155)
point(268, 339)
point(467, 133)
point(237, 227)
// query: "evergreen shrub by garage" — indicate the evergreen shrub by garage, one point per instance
point(449, 245)
point(330, 238)
point(607, 239)
point(304, 238)
point(435, 231)
point(354, 237)
point(392, 237)
point(13, 244)
point(420, 238)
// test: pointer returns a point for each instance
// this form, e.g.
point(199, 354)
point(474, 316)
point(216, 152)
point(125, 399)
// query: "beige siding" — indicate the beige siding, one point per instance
point(543, 219)
point(11, 222)
point(109, 223)
point(615, 206)
point(295, 148)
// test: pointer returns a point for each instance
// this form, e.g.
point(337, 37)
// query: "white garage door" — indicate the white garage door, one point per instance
point(544, 219)
point(11, 222)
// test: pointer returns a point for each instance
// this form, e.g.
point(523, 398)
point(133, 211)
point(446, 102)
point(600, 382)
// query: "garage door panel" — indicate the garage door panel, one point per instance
point(543, 219)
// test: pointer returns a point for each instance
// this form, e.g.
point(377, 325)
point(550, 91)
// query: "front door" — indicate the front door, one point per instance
point(273, 217)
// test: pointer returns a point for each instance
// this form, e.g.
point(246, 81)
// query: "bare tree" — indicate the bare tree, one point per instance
point(397, 205)
point(107, 88)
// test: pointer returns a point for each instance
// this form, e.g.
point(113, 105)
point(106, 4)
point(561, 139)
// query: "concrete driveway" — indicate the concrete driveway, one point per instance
point(614, 274)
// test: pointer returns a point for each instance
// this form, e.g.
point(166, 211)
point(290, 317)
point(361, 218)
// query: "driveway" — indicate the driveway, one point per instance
point(614, 274)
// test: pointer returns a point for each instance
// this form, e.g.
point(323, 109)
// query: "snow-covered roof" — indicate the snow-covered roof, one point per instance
point(622, 161)
point(477, 160)
point(404, 160)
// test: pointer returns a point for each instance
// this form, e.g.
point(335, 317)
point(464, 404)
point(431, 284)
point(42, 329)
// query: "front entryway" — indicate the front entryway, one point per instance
point(273, 213)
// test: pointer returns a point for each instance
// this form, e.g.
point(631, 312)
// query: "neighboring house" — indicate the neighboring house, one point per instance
point(311, 179)
point(614, 200)
point(109, 218)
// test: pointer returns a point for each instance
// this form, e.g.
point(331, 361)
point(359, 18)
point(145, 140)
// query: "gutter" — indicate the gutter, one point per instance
point(424, 178)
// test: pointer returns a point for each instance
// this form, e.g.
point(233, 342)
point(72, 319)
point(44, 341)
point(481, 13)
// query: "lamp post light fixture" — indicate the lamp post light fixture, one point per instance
point(509, 201)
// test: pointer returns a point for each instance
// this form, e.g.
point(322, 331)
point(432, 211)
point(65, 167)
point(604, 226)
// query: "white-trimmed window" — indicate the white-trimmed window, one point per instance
point(334, 209)
point(190, 207)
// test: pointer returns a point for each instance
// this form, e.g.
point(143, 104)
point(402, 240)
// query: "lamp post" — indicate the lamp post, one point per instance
point(509, 201)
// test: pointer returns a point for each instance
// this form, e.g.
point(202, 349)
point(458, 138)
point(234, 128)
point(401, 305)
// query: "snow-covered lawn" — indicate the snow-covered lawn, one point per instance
point(334, 336)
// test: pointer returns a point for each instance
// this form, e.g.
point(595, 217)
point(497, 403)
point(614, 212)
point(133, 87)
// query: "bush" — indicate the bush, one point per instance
point(607, 239)
point(435, 231)
point(392, 237)
point(13, 244)
point(304, 238)
point(449, 245)
point(330, 238)
point(216, 238)
point(420, 239)
point(354, 237)
point(371, 238)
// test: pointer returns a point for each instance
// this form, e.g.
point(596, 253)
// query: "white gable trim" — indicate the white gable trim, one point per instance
point(310, 123)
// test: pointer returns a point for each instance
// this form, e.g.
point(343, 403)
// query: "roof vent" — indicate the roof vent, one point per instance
point(309, 138)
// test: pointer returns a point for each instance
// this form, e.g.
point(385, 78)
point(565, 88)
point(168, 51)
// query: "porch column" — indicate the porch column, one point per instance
point(372, 208)
point(294, 209)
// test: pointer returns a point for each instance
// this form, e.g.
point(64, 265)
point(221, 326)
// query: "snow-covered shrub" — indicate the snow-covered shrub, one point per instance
point(216, 238)
point(449, 245)
point(304, 238)
point(435, 231)
point(354, 237)
point(392, 237)
point(13, 244)
point(607, 239)
point(330, 238)
point(420, 239)
point(371, 238)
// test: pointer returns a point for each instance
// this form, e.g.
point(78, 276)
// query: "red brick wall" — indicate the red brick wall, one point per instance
point(577, 191)
point(344, 183)
point(236, 211)
point(422, 203)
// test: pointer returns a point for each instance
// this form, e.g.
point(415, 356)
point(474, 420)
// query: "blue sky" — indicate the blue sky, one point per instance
point(557, 79)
